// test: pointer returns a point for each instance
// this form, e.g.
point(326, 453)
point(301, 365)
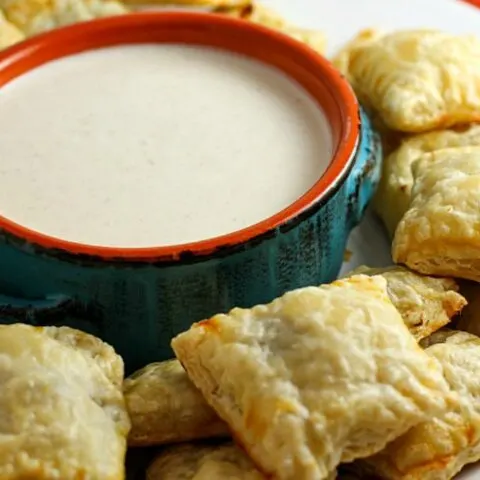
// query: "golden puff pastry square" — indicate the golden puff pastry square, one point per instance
point(425, 303)
point(165, 407)
point(203, 462)
point(9, 33)
point(440, 448)
point(395, 187)
point(415, 80)
point(440, 232)
point(61, 417)
point(320, 376)
point(267, 17)
point(36, 16)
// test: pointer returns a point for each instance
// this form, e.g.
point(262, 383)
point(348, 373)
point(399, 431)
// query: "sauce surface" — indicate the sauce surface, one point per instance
point(154, 145)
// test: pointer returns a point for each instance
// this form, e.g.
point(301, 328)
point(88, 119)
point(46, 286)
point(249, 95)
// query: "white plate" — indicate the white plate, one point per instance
point(340, 20)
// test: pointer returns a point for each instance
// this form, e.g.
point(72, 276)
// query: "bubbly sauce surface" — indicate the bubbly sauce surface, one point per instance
point(154, 145)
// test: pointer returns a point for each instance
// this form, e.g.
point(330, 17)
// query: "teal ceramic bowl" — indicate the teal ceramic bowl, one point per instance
point(138, 299)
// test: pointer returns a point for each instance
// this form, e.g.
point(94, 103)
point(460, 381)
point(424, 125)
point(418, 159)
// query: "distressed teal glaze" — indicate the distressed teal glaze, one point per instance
point(139, 307)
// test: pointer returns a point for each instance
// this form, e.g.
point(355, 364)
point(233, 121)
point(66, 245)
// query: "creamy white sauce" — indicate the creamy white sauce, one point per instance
point(151, 145)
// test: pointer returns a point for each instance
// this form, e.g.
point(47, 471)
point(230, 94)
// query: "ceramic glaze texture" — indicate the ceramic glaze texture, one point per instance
point(139, 307)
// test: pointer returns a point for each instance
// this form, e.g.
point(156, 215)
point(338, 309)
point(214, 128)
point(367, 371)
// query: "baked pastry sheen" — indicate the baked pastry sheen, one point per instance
point(165, 407)
point(440, 232)
point(62, 418)
point(425, 303)
point(299, 417)
point(416, 80)
point(440, 448)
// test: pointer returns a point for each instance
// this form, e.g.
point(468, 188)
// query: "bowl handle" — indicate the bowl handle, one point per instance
point(365, 175)
point(32, 310)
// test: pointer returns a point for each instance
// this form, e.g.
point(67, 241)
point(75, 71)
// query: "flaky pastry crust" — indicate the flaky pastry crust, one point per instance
point(62, 418)
point(425, 303)
point(165, 407)
point(440, 232)
point(411, 77)
point(102, 353)
point(319, 376)
point(395, 187)
point(440, 448)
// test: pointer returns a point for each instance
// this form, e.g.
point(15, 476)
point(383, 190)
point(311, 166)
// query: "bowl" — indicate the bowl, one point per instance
point(137, 299)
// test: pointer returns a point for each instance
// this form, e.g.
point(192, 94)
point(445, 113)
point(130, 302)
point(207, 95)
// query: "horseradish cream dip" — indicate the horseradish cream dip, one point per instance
point(154, 145)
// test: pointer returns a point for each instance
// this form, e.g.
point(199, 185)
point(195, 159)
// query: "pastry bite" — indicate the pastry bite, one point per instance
point(36, 16)
point(257, 13)
point(320, 376)
point(395, 187)
point(440, 232)
point(440, 448)
point(425, 303)
point(165, 407)
point(61, 417)
point(9, 33)
point(411, 78)
point(203, 462)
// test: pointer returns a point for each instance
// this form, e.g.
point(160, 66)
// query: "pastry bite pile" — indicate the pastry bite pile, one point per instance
point(339, 381)
point(20, 19)
point(424, 86)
